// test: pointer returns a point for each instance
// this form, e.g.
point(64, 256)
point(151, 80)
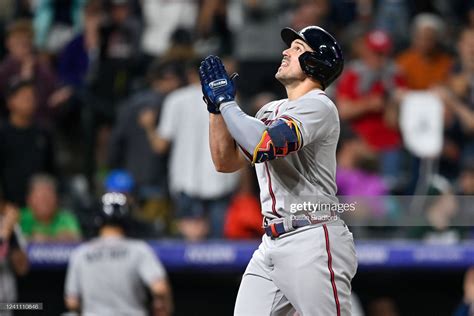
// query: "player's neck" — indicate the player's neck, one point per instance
point(111, 231)
point(296, 91)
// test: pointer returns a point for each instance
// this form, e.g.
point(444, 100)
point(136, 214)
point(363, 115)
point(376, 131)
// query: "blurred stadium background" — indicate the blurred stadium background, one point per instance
point(90, 94)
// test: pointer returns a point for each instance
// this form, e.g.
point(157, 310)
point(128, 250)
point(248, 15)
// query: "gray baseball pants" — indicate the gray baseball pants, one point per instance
point(308, 271)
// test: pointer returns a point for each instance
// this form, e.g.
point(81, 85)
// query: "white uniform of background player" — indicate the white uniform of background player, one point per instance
point(111, 274)
point(306, 260)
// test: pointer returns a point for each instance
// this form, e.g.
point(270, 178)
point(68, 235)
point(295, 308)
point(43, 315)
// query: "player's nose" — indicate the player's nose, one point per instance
point(285, 53)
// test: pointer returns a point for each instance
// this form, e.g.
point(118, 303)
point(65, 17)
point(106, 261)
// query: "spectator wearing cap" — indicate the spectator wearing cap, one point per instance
point(425, 64)
point(43, 220)
point(25, 148)
point(23, 62)
point(365, 99)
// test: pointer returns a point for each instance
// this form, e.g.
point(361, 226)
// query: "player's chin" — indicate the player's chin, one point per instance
point(279, 74)
point(282, 76)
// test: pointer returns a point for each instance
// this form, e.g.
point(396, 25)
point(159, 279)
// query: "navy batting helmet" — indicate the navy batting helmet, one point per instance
point(325, 62)
point(114, 210)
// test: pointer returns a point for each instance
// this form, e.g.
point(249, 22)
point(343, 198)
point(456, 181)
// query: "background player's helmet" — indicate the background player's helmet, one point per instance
point(326, 62)
point(114, 210)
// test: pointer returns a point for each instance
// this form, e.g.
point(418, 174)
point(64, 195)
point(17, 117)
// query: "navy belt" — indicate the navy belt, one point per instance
point(280, 226)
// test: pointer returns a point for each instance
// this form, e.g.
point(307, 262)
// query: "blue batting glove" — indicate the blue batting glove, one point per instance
point(217, 86)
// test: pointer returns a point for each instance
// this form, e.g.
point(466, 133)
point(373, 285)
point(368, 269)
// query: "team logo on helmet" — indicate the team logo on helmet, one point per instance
point(114, 198)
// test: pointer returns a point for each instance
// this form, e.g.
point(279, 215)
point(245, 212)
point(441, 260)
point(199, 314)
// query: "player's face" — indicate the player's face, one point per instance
point(290, 70)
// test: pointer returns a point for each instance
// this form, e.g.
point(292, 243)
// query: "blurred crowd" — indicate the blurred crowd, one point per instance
point(103, 95)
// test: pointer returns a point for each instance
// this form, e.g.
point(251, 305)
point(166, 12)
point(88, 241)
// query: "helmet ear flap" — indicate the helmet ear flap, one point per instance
point(313, 66)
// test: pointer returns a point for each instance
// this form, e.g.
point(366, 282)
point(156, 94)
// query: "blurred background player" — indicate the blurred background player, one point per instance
point(110, 275)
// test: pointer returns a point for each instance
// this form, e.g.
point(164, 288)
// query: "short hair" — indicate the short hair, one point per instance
point(428, 20)
point(22, 26)
point(42, 178)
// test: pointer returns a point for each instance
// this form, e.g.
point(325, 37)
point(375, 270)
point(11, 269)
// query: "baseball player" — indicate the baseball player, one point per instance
point(109, 275)
point(306, 260)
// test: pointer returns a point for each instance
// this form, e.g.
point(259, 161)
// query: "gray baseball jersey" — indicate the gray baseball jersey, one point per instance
point(110, 276)
point(307, 175)
point(309, 270)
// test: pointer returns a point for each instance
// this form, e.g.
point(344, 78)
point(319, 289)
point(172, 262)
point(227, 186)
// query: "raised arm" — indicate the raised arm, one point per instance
point(225, 154)
point(259, 142)
point(354, 109)
point(147, 120)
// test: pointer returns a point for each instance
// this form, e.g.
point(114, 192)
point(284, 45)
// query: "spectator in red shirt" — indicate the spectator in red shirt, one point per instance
point(365, 98)
point(244, 219)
